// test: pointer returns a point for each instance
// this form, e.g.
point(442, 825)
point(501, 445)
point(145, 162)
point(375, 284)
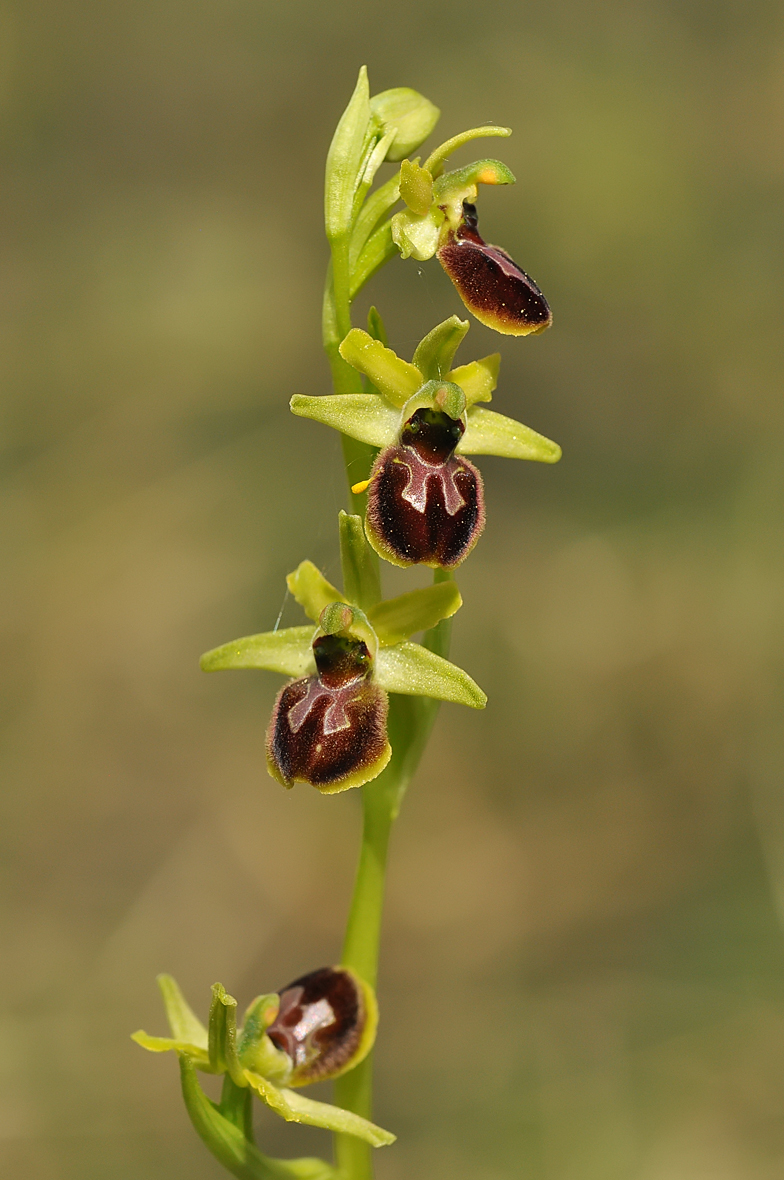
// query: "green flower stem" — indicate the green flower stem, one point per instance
point(410, 722)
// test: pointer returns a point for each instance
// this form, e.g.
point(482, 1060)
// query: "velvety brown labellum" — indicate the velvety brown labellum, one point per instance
point(491, 284)
point(319, 1023)
point(424, 512)
point(329, 737)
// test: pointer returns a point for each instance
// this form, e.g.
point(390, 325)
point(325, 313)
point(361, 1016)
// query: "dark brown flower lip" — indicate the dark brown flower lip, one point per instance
point(331, 738)
point(491, 284)
point(419, 513)
point(320, 1022)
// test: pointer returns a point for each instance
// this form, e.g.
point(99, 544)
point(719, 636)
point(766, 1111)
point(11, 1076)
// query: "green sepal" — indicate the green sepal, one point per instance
point(183, 1021)
point(231, 1147)
point(375, 326)
point(294, 1108)
point(288, 651)
point(435, 161)
point(393, 377)
point(345, 160)
point(411, 669)
point(416, 187)
point(435, 353)
point(364, 416)
point(488, 433)
point(395, 619)
point(478, 379)
point(223, 1035)
point(188, 1033)
point(361, 577)
point(167, 1044)
point(312, 590)
point(255, 1050)
point(410, 114)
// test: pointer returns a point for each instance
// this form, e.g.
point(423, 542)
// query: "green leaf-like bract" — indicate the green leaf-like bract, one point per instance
point(361, 579)
point(344, 160)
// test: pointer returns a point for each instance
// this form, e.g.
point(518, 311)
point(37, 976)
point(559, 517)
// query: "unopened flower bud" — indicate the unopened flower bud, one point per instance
point(411, 115)
point(326, 1024)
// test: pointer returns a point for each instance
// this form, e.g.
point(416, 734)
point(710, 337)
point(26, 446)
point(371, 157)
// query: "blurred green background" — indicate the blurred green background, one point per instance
point(583, 971)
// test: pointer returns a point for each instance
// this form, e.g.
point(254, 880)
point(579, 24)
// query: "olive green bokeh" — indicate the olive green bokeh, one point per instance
point(592, 867)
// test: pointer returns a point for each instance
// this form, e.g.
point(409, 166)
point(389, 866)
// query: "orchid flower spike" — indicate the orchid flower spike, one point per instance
point(425, 500)
point(329, 725)
point(318, 1027)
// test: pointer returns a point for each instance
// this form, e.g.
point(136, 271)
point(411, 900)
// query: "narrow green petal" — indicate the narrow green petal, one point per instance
point(396, 379)
point(488, 433)
point(292, 1107)
point(183, 1021)
point(478, 379)
point(416, 187)
point(230, 1147)
point(166, 1044)
point(312, 590)
point(396, 618)
point(411, 669)
point(361, 577)
point(364, 416)
point(288, 651)
point(434, 354)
